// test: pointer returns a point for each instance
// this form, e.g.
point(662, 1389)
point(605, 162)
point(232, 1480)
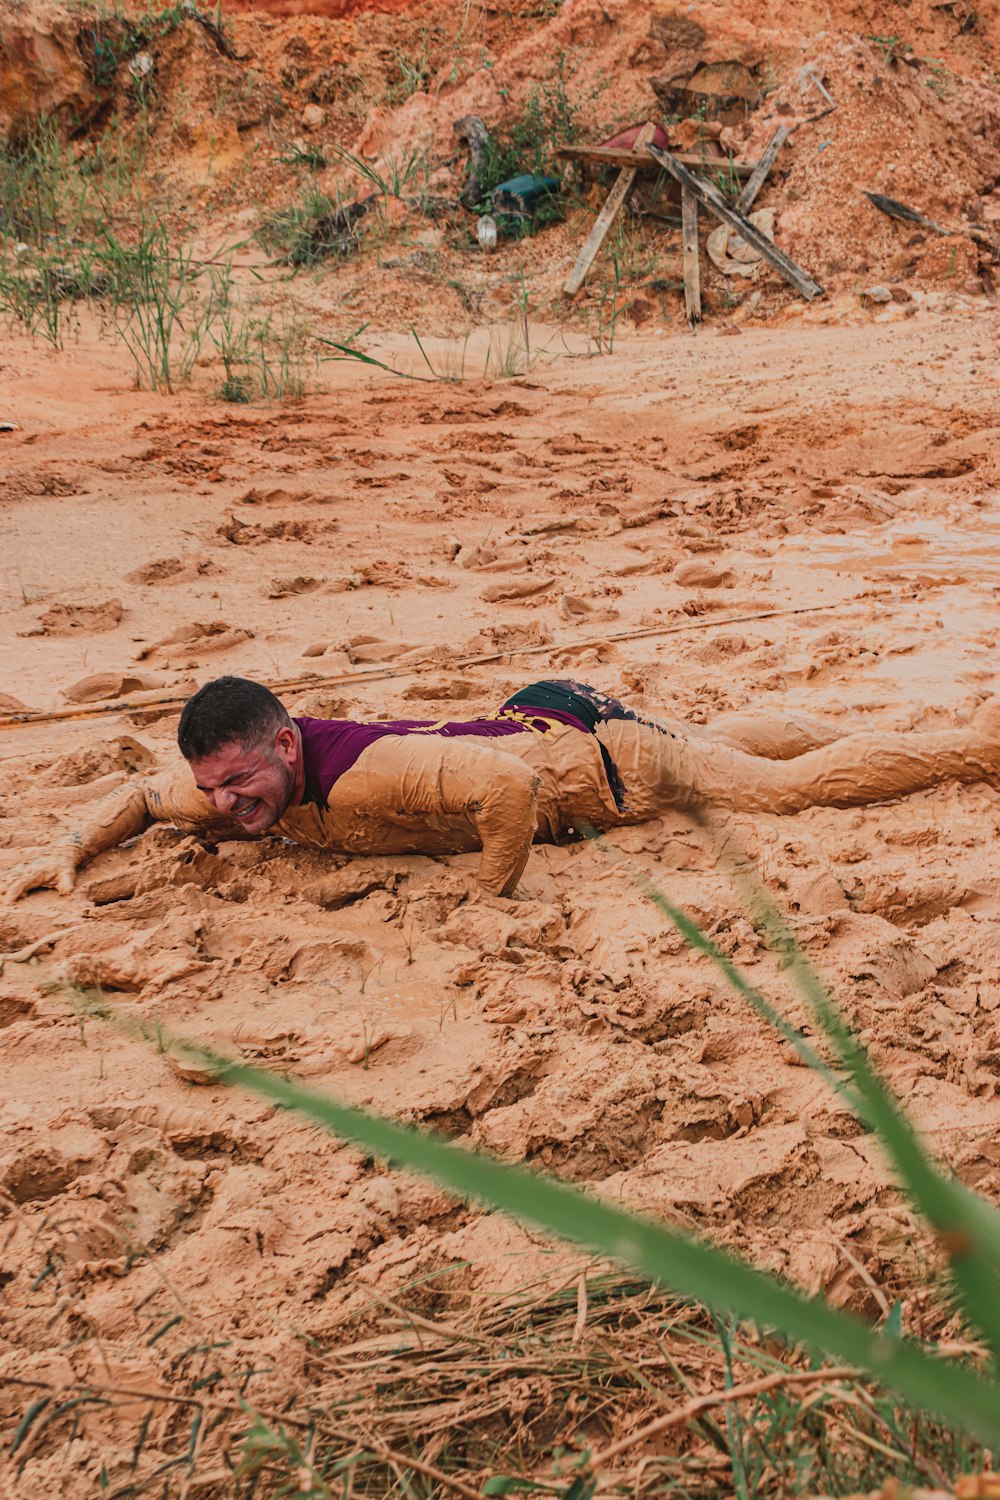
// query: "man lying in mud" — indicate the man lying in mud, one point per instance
point(555, 759)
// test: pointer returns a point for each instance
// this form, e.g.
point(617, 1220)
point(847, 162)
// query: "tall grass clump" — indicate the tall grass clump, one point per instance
point(313, 228)
point(76, 230)
point(157, 310)
point(262, 357)
point(445, 364)
point(397, 172)
point(39, 213)
point(53, 206)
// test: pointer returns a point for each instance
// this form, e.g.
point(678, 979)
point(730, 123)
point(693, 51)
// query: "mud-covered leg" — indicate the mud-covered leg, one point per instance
point(663, 770)
point(775, 736)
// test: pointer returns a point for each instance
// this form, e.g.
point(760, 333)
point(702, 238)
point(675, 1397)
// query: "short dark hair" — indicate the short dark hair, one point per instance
point(226, 711)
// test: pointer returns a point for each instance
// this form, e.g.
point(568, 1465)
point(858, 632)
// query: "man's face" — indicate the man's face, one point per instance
point(254, 785)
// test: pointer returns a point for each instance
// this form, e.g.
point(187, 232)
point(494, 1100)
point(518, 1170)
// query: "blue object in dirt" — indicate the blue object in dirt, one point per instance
point(523, 194)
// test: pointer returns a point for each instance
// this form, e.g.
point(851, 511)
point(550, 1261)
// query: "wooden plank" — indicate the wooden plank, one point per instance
point(608, 156)
point(692, 272)
point(605, 219)
point(598, 233)
point(762, 168)
point(727, 213)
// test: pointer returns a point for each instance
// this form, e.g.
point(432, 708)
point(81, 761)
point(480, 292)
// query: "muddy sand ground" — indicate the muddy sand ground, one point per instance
point(613, 519)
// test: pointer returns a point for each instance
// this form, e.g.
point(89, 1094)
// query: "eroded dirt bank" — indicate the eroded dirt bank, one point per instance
point(157, 1230)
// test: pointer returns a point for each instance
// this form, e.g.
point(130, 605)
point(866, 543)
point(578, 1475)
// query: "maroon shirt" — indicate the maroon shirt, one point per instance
point(331, 746)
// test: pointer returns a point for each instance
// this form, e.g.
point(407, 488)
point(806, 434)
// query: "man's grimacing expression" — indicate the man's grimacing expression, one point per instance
point(253, 784)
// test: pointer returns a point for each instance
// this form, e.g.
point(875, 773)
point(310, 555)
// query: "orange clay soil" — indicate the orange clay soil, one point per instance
point(152, 542)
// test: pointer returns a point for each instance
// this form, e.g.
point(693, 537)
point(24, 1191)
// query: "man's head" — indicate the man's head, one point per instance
point(243, 749)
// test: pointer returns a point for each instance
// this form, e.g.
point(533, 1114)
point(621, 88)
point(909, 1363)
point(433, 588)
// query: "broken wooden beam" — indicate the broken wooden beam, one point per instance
point(762, 168)
point(896, 210)
point(606, 217)
point(692, 271)
point(614, 156)
point(727, 213)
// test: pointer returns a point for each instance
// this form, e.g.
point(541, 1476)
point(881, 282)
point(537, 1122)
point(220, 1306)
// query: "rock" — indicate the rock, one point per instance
point(873, 294)
point(472, 131)
point(141, 66)
point(313, 117)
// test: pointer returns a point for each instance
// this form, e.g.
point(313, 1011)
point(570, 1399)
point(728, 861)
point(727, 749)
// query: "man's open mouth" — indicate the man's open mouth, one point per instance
point(246, 810)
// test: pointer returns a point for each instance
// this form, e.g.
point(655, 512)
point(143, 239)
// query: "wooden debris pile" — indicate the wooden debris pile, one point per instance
point(742, 237)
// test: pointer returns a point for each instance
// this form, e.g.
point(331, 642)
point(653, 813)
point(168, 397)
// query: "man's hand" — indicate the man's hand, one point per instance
point(53, 871)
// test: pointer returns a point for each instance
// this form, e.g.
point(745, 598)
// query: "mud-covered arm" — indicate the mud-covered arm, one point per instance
point(123, 814)
point(414, 776)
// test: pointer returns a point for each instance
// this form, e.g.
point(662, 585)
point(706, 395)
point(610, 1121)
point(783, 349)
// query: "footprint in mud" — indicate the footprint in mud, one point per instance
point(581, 611)
point(101, 685)
point(88, 763)
point(216, 635)
point(285, 588)
point(485, 442)
point(371, 648)
point(567, 447)
point(516, 590)
point(78, 619)
point(172, 570)
point(279, 497)
point(251, 534)
point(696, 573)
point(11, 705)
point(442, 690)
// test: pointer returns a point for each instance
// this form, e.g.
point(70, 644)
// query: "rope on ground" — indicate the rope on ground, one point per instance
point(384, 674)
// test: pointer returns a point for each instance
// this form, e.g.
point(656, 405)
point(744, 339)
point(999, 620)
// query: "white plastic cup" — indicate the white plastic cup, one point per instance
point(486, 232)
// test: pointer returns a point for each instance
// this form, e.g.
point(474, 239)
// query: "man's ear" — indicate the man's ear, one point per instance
point(286, 744)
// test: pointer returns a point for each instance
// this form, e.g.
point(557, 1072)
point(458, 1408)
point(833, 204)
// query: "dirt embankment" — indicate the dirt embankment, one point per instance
point(253, 117)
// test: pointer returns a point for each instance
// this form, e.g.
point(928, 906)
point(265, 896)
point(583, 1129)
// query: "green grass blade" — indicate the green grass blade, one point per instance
point(346, 352)
point(423, 351)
